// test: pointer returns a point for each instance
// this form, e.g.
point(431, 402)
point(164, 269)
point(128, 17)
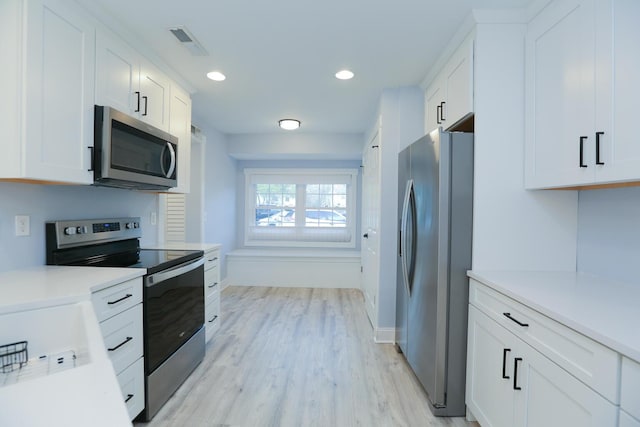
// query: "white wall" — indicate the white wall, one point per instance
point(401, 112)
point(50, 202)
point(295, 145)
point(609, 233)
point(220, 216)
point(514, 229)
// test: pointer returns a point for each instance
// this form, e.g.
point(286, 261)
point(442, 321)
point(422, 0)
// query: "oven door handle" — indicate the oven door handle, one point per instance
point(174, 272)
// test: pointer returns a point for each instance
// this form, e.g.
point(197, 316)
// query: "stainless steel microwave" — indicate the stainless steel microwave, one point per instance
point(129, 153)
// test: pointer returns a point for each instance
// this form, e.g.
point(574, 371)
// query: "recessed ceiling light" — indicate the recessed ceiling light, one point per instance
point(216, 76)
point(289, 124)
point(344, 75)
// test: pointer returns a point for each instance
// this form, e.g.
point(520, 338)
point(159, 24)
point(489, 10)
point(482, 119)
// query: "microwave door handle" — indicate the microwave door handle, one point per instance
point(172, 166)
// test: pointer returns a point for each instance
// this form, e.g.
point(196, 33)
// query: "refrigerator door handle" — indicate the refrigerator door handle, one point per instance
point(408, 194)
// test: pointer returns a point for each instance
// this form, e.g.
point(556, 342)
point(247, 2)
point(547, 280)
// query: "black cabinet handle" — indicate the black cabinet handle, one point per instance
point(438, 113)
point(129, 396)
point(138, 102)
point(598, 135)
point(508, 316)
point(213, 259)
point(146, 103)
point(365, 235)
point(582, 139)
point(121, 344)
point(121, 299)
point(92, 160)
point(214, 285)
point(213, 320)
point(442, 104)
point(504, 363)
point(515, 373)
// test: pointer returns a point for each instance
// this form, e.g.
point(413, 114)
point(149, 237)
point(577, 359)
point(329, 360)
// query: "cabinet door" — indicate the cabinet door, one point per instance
point(459, 85)
point(490, 351)
point(560, 95)
point(117, 75)
point(155, 96)
point(59, 86)
point(551, 397)
point(619, 87)
point(434, 102)
point(180, 126)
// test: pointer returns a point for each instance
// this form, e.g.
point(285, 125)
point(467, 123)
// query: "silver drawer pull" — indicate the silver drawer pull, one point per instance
point(121, 344)
point(508, 316)
point(214, 285)
point(214, 319)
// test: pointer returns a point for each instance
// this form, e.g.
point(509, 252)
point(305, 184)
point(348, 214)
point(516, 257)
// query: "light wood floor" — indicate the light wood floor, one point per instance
point(298, 357)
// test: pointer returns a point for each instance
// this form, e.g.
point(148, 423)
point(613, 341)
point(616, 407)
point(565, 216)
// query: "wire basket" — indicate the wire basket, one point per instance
point(13, 356)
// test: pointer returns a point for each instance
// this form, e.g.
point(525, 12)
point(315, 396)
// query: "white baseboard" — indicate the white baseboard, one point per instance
point(385, 335)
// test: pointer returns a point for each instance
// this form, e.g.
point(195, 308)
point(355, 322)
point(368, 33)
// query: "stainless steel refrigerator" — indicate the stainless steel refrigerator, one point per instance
point(435, 225)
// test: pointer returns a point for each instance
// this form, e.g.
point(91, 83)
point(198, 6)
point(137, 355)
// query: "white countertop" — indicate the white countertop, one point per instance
point(186, 246)
point(44, 286)
point(605, 310)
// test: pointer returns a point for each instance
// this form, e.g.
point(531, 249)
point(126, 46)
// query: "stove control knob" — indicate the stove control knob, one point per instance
point(69, 231)
point(136, 225)
point(130, 225)
point(81, 230)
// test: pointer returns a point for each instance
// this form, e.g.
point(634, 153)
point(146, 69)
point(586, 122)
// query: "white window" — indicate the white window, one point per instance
point(300, 207)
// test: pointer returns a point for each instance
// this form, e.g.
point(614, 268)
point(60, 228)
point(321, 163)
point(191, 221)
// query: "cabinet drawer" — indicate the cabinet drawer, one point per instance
point(591, 362)
point(212, 317)
point(211, 282)
point(116, 299)
point(630, 387)
point(131, 382)
point(123, 337)
point(212, 259)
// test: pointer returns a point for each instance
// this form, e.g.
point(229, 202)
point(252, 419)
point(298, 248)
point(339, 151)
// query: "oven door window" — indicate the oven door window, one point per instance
point(136, 151)
point(174, 311)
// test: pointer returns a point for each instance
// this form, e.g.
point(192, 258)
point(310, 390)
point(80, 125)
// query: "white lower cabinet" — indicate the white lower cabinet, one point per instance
point(511, 384)
point(119, 311)
point(211, 292)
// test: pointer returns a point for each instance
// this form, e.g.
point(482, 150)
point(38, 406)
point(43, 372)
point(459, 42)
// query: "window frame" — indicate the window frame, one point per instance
point(304, 177)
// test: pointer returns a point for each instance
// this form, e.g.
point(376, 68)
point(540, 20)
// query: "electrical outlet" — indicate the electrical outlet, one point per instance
point(23, 227)
point(153, 219)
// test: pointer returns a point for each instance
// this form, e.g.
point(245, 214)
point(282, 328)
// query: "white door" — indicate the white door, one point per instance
point(548, 396)
point(560, 95)
point(618, 87)
point(117, 75)
point(59, 71)
point(490, 370)
point(154, 90)
point(370, 223)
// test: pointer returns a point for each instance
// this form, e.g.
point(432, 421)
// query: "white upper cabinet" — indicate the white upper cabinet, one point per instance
point(48, 91)
point(128, 82)
point(449, 98)
point(180, 126)
point(581, 92)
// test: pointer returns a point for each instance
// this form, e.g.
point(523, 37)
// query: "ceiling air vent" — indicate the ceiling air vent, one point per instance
point(187, 40)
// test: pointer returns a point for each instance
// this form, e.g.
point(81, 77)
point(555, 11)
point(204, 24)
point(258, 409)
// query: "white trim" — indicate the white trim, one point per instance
point(384, 335)
point(303, 235)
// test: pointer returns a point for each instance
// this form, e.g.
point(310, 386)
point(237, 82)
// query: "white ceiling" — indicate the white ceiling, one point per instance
point(280, 56)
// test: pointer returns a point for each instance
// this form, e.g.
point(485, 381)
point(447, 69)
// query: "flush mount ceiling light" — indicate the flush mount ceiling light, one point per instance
point(289, 124)
point(216, 76)
point(344, 75)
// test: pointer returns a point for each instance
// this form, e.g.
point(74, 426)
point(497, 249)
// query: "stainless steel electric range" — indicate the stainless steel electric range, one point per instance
point(173, 294)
